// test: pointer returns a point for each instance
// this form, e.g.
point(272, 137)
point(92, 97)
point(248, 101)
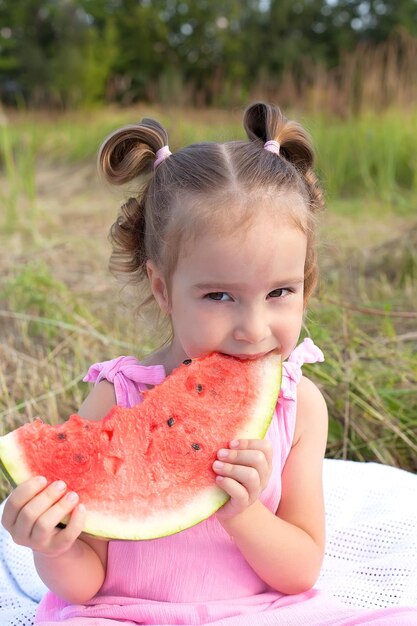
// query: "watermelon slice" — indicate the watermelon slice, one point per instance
point(146, 471)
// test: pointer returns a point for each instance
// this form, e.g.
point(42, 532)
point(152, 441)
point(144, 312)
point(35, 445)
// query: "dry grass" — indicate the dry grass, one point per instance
point(370, 77)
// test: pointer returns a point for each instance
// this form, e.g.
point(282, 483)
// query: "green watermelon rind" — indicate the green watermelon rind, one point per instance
point(12, 462)
point(3, 468)
point(202, 505)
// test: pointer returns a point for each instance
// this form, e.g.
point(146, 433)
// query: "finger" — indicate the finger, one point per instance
point(239, 497)
point(250, 458)
point(47, 537)
point(73, 529)
point(254, 459)
point(37, 506)
point(260, 458)
point(47, 522)
point(254, 444)
point(247, 476)
point(21, 495)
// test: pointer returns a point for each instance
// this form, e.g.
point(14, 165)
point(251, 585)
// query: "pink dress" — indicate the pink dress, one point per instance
point(199, 576)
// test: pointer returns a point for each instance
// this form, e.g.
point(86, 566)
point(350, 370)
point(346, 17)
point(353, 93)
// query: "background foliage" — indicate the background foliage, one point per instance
point(207, 52)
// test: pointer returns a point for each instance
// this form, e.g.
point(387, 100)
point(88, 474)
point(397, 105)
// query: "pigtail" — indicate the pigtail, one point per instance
point(266, 122)
point(129, 154)
point(131, 151)
point(127, 236)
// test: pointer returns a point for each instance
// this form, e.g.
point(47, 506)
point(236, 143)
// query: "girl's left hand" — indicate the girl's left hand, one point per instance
point(243, 472)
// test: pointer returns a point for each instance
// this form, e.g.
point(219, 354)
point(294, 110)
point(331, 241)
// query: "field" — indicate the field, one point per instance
point(61, 310)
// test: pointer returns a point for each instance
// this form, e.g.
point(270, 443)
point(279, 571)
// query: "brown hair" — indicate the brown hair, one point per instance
point(204, 177)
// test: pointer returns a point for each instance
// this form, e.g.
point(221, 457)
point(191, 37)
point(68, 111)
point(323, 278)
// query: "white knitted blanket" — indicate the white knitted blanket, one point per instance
point(371, 554)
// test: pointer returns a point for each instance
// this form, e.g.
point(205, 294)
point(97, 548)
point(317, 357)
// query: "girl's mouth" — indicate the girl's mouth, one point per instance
point(250, 356)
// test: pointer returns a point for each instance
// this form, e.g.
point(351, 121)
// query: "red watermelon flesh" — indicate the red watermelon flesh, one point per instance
point(146, 471)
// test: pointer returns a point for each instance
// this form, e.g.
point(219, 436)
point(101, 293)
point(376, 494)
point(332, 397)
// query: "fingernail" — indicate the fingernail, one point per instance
point(234, 443)
point(59, 485)
point(71, 496)
point(222, 454)
point(218, 464)
point(42, 481)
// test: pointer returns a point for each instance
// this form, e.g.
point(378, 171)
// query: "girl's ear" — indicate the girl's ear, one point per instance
point(158, 286)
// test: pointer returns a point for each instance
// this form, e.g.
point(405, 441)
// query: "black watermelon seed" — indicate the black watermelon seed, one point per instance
point(171, 421)
point(199, 388)
point(79, 458)
point(187, 361)
point(61, 436)
point(196, 446)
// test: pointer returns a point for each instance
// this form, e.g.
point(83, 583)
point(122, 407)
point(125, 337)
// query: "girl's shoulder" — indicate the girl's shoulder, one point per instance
point(311, 416)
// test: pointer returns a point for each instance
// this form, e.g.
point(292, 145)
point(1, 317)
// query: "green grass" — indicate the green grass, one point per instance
point(373, 155)
point(60, 311)
point(19, 187)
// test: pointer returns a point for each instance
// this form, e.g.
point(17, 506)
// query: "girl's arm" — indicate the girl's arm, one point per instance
point(77, 573)
point(286, 550)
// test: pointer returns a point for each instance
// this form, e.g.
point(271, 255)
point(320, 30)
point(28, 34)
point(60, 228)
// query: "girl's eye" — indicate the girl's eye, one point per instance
point(279, 293)
point(218, 296)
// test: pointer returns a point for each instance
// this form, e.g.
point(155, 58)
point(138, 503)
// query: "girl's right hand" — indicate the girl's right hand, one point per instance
point(33, 511)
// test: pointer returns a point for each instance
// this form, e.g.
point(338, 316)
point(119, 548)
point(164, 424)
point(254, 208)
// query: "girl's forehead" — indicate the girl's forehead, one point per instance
point(262, 249)
point(240, 214)
point(243, 219)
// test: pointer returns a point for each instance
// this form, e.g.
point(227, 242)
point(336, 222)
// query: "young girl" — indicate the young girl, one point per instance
point(223, 235)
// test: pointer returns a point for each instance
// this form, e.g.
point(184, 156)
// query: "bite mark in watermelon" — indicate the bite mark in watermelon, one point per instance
point(146, 472)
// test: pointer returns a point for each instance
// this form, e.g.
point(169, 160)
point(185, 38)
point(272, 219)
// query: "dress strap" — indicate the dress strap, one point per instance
point(305, 352)
point(129, 377)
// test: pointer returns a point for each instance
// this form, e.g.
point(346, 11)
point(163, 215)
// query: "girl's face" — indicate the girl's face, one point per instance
point(239, 294)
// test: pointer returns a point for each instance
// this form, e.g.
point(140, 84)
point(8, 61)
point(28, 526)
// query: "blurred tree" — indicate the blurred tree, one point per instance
point(67, 52)
point(18, 22)
point(374, 20)
point(205, 38)
point(50, 53)
point(139, 43)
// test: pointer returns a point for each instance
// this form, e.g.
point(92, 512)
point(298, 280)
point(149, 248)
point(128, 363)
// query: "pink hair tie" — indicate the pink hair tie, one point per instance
point(272, 146)
point(161, 154)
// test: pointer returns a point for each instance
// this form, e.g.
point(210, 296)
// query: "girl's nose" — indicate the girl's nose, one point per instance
point(252, 327)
